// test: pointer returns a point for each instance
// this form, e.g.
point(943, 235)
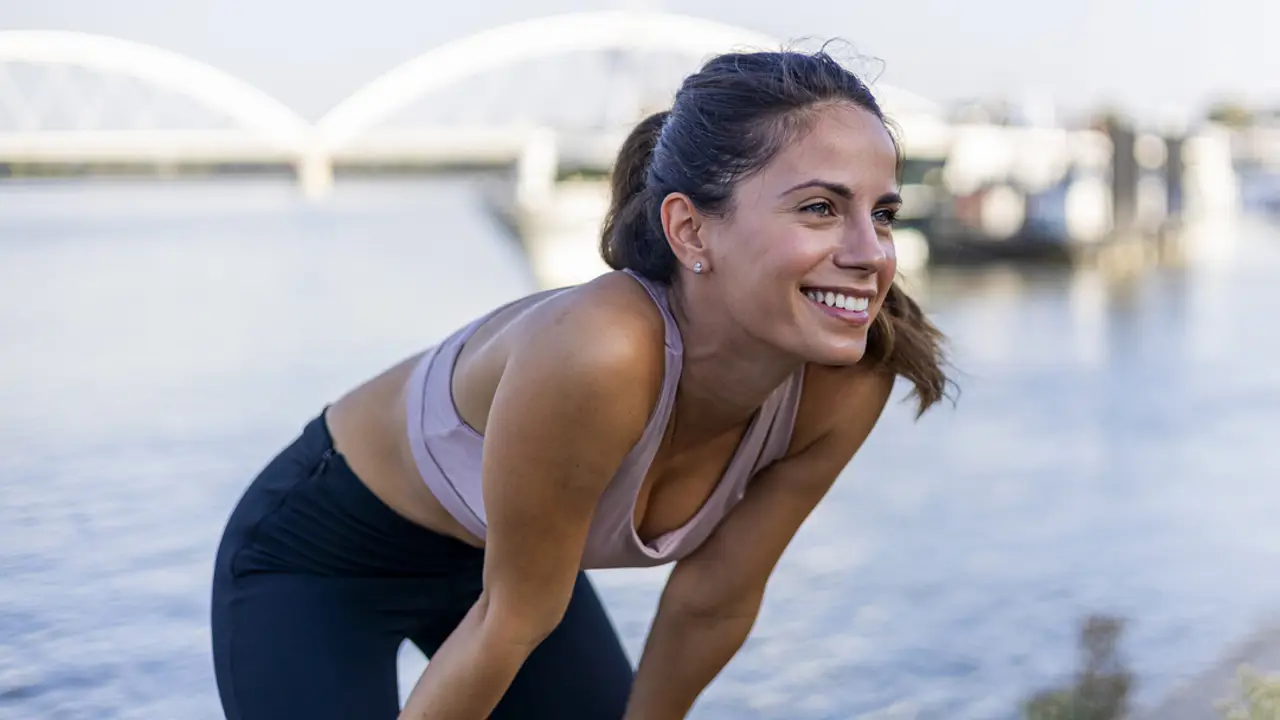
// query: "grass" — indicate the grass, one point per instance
point(1101, 687)
point(1258, 699)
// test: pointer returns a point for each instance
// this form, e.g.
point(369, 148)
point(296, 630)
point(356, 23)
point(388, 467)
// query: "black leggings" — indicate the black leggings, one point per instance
point(317, 583)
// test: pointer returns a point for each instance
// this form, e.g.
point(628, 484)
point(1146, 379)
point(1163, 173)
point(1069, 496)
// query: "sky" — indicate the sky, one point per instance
point(1154, 58)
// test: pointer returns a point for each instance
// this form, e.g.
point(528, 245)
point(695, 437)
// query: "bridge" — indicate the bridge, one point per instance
point(546, 101)
point(72, 99)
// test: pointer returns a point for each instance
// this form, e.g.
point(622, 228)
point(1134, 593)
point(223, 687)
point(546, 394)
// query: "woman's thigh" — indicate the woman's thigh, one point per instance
point(301, 646)
point(316, 584)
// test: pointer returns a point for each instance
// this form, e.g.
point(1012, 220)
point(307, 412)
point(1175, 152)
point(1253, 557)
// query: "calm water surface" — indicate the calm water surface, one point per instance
point(1113, 451)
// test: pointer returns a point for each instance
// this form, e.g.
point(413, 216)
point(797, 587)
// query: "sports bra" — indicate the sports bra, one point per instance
point(448, 452)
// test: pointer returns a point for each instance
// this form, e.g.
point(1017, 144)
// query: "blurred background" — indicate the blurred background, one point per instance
point(216, 217)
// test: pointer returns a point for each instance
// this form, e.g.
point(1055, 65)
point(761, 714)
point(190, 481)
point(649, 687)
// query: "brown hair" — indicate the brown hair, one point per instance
point(903, 341)
point(729, 120)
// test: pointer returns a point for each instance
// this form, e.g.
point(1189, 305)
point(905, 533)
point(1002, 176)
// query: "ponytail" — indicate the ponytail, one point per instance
point(632, 236)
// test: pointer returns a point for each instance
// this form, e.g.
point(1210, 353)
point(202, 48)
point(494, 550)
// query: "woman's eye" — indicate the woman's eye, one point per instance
point(822, 209)
point(886, 216)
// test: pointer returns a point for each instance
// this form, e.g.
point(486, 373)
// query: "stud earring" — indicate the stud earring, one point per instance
point(697, 267)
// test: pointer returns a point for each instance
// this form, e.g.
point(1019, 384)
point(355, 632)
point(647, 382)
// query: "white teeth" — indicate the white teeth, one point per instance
point(836, 300)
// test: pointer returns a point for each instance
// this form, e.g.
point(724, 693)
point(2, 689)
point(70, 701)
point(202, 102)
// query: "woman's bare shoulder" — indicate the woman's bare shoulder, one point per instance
point(605, 337)
point(610, 320)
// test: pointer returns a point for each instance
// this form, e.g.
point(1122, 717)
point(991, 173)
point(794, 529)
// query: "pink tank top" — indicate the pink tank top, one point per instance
point(448, 452)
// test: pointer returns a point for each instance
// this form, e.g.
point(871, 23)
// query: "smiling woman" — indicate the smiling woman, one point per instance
point(693, 408)
point(788, 165)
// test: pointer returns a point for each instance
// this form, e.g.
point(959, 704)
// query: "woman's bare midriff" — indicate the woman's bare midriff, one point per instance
point(368, 428)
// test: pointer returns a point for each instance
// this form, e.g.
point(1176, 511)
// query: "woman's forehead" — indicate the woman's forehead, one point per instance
point(844, 144)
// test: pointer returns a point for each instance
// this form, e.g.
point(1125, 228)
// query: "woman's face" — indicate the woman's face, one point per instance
point(805, 256)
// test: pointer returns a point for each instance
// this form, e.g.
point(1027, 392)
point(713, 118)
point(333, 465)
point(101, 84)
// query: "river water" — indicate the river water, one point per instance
point(1113, 451)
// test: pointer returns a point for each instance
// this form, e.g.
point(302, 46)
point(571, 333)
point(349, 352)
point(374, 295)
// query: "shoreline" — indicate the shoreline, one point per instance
point(1198, 696)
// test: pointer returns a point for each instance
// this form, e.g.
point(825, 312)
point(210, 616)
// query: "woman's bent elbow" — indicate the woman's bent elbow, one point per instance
point(520, 626)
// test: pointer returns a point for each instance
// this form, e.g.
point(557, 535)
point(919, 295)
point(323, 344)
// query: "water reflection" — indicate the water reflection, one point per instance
point(1111, 451)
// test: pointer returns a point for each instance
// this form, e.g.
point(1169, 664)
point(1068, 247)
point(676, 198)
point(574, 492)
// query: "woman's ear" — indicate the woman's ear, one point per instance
point(682, 224)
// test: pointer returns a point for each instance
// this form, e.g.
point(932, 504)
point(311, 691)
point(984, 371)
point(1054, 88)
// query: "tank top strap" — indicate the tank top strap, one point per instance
point(659, 292)
point(778, 440)
point(464, 334)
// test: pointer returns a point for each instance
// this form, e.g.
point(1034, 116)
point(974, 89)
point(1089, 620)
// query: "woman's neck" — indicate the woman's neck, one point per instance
point(727, 374)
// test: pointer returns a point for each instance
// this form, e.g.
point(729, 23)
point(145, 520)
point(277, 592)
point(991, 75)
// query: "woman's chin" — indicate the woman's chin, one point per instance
point(847, 352)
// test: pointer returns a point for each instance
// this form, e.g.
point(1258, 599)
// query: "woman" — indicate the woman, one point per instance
point(691, 408)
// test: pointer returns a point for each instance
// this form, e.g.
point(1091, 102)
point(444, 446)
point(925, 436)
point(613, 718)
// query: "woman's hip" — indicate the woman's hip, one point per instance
point(307, 512)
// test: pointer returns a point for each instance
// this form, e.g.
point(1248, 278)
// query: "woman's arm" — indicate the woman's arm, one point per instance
point(569, 406)
point(712, 597)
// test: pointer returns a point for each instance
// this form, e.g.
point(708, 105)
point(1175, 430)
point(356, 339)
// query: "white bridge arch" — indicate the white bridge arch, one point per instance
point(252, 110)
point(268, 132)
point(518, 42)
